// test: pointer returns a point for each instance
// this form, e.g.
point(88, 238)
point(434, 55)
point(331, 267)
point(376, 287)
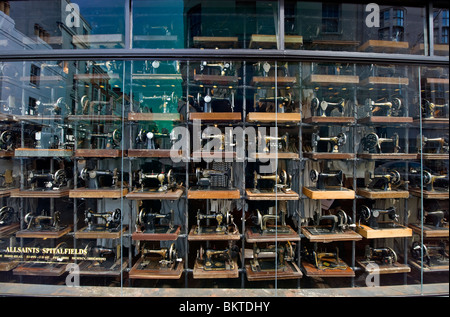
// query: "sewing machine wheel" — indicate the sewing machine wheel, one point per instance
point(289, 251)
point(140, 217)
point(370, 141)
point(396, 178)
point(392, 254)
point(396, 106)
point(200, 253)
point(172, 255)
point(60, 177)
point(6, 213)
point(85, 102)
point(284, 178)
point(117, 137)
point(315, 104)
point(84, 174)
point(342, 215)
point(28, 218)
point(427, 177)
point(116, 215)
point(416, 248)
point(6, 137)
point(364, 212)
point(314, 175)
point(342, 138)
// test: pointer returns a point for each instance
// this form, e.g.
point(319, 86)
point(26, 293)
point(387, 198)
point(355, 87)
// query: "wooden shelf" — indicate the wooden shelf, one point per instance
point(268, 41)
point(104, 269)
point(385, 81)
point(278, 155)
point(338, 193)
point(200, 273)
point(336, 120)
point(155, 195)
point(380, 46)
point(25, 233)
point(290, 271)
point(155, 271)
point(272, 117)
point(433, 156)
point(430, 231)
point(312, 271)
point(253, 235)
point(97, 193)
point(212, 236)
point(5, 154)
point(28, 193)
point(369, 233)
point(95, 118)
point(215, 41)
point(383, 268)
point(85, 233)
point(7, 230)
point(314, 235)
point(385, 119)
point(426, 269)
point(332, 79)
point(329, 156)
point(216, 79)
point(387, 156)
point(251, 195)
point(137, 116)
point(154, 153)
point(215, 116)
point(111, 153)
point(40, 269)
point(213, 194)
point(30, 152)
point(382, 194)
point(435, 194)
point(162, 233)
point(270, 81)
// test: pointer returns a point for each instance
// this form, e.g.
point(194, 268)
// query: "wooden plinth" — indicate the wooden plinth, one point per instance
point(6, 192)
point(385, 119)
point(215, 41)
point(215, 116)
point(38, 118)
point(383, 268)
point(291, 271)
point(430, 231)
point(387, 156)
point(200, 273)
point(426, 268)
point(432, 121)
point(154, 153)
point(162, 233)
point(382, 46)
point(90, 268)
point(336, 120)
point(25, 233)
point(29, 152)
point(40, 269)
point(260, 195)
point(332, 79)
point(213, 194)
point(369, 233)
point(434, 194)
point(347, 235)
point(253, 235)
point(433, 156)
point(85, 233)
point(137, 116)
point(137, 272)
point(28, 193)
point(338, 193)
point(312, 271)
point(4, 153)
point(278, 155)
point(99, 153)
point(95, 118)
point(159, 78)
point(267, 41)
point(329, 156)
point(270, 81)
point(216, 79)
point(8, 265)
point(213, 236)
point(269, 117)
point(382, 194)
point(213, 155)
point(8, 230)
point(148, 195)
point(97, 193)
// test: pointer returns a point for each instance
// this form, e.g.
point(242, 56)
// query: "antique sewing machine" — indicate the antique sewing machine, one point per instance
point(371, 216)
point(223, 223)
point(59, 107)
point(382, 181)
point(383, 255)
point(164, 181)
point(218, 69)
point(161, 67)
point(372, 143)
point(96, 179)
point(206, 178)
point(280, 182)
point(432, 254)
point(441, 145)
point(106, 140)
point(6, 179)
point(102, 256)
point(227, 140)
point(47, 181)
point(109, 221)
point(435, 219)
point(216, 260)
point(147, 138)
point(269, 142)
point(325, 108)
point(265, 69)
point(334, 141)
point(98, 107)
point(163, 258)
point(389, 108)
point(340, 222)
point(429, 180)
point(43, 223)
point(269, 104)
point(6, 140)
point(272, 257)
point(330, 179)
point(327, 260)
point(164, 103)
point(431, 110)
point(262, 220)
point(146, 222)
point(6, 215)
point(218, 103)
point(53, 138)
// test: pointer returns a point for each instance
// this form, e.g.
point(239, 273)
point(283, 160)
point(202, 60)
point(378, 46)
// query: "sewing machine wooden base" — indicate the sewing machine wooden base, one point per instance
point(137, 116)
point(332, 79)
point(95, 118)
point(337, 120)
point(215, 79)
point(29, 193)
point(270, 117)
point(153, 153)
point(384, 231)
point(387, 156)
point(152, 195)
point(216, 154)
point(266, 195)
point(8, 230)
point(290, 271)
point(4, 153)
point(254, 234)
point(199, 271)
point(161, 233)
point(435, 266)
point(329, 156)
point(215, 116)
point(268, 41)
point(8, 264)
point(433, 156)
point(329, 193)
point(6, 192)
point(40, 269)
point(381, 194)
point(323, 234)
point(97, 193)
point(433, 194)
point(44, 234)
point(99, 153)
point(30, 152)
point(209, 234)
point(385, 120)
point(148, 267)
point(198, 193)
point(279, 155)
point(384, 46)
point(85, 233)
point(383, 268)
point(430, 231)
point(312, 271)
point(215, 41)
point(103, 268)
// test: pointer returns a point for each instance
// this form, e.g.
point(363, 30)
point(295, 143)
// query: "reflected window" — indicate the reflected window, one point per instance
point(331, 17)
point(441, 25)
point(392, 25)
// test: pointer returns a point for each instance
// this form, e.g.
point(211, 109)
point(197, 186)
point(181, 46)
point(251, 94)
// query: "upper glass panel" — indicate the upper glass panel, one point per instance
point(440, 31)
point(355, 27)
point(62, 24)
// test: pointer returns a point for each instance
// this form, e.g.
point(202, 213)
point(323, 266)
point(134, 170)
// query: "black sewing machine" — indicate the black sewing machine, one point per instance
point(280, 104)
point(147, 139)
point(43, 223)
point(156, 259)
point(433, 255)
point(97, 107)
point(227, 140)
point(148, 222)
point(110, 220)
point(6, 215)
point(160, 182)
point(382, 181)
point(268, 142)
point(273, 257)
point(47, 181)
point(334, 141)
point(430, 181)
point(383, 255)
point(331, 224)
point(432, 145)
point(210, 178)
point(392, 108)
point(223, 223)
point(371, 143)
point(435, 220)
point(271, 223)
point(325, 108)
point(217, 260)
point(96, 179)
point(432, 110)
point(330, 179)
point(371, 217)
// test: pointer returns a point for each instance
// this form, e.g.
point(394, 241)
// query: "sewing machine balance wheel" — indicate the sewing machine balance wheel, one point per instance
point(313, 175)
point(364, 212)
point(116, 215)
point(172, 253)
point(416, 248)
point(371, 140)
point(60, 176)
point(342, 138)
point(396, 178)
point(28, 218)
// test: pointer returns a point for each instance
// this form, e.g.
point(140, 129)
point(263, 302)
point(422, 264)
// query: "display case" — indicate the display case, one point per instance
point(225, 144)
